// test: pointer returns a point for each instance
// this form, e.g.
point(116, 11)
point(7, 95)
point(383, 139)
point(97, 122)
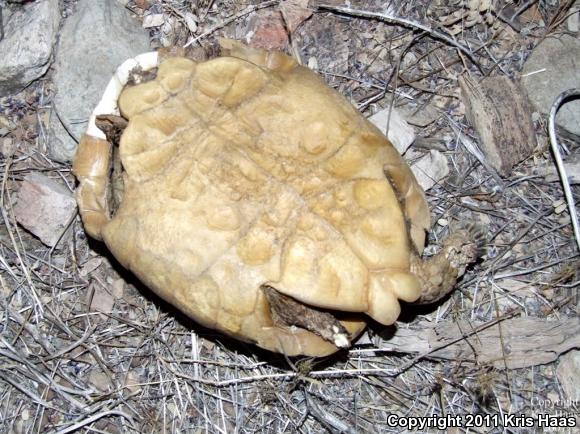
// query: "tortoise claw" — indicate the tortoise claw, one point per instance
point(438, 274)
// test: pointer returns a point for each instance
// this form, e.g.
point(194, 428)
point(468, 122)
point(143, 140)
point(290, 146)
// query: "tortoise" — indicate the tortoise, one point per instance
point(258, 201)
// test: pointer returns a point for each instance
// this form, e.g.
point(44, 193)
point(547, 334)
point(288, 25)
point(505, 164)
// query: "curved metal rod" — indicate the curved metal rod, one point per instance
point(560, 100)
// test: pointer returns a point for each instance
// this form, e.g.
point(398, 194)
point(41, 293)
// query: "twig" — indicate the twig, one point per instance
point(560, 100)
point(406, 23)
point(327, 418)
point(38, 308)
point(534, 269)
point(231, 19)
point(94, 418)
point(10, 379)
point(474, 150)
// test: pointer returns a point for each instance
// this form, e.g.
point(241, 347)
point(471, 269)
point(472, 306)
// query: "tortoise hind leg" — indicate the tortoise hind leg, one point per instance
point(438, 274)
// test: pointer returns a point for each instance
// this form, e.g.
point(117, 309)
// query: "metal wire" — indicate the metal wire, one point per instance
point(560, 100)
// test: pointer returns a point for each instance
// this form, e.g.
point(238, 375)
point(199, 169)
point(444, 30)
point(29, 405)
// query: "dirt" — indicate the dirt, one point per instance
point(133, 364)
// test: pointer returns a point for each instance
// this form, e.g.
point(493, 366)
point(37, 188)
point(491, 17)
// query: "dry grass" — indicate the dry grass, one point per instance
point(142, 367)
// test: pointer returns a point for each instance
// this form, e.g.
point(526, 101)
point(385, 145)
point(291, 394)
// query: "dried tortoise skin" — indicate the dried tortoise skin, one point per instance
point(248, 172)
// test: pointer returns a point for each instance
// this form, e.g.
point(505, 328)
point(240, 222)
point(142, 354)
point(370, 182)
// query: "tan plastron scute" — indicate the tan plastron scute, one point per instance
point(259, 202)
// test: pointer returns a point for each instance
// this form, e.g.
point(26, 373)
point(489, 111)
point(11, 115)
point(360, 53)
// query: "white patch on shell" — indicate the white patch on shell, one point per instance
point(108, 103)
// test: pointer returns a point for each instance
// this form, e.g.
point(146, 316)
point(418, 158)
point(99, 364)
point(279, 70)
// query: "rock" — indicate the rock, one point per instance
point(44, 207)
point(430, 169)
point(295, 12)
point(153, 20)
point(567, 373)
point(29, 35)
point(143, 4)
point(94, 41)
point(400, 133)
point(101, 300)
point(266, 29)
point(501, 114)
point(551, 69)
point(574, 18)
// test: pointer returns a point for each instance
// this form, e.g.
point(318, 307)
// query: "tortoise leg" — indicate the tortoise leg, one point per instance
point(91, 167)
point(439, 273)
point(286, 311)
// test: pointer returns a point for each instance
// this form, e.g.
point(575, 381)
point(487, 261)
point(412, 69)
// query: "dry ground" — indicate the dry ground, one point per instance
point(142, 367)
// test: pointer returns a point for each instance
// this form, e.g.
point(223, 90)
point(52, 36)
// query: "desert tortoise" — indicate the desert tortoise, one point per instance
point(260, 202)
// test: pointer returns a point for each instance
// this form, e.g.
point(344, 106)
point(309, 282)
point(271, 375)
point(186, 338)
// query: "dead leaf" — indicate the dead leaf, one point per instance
point(571, 165)
point(102, 300)
point(118, 288)
point(392, 123)
point(567, 373)
point(90, 266)
point(153, 20)
point(295, 12)
point(99, 379)
point(131, 382)
point(8, 147)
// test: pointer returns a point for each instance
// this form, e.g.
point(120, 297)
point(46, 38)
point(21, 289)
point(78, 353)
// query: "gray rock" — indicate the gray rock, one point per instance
point(559, 57)
point(94, 41)
point(567, 373)
point(44, 207)
point(29, 35)
point(430, 169)
point(400, 133)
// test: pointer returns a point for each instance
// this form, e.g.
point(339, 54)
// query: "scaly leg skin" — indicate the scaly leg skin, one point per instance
point(439, 273)
point(286, 311)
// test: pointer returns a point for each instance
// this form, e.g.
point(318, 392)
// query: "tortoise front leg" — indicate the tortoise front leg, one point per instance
point(92, 163)
point(91, 167)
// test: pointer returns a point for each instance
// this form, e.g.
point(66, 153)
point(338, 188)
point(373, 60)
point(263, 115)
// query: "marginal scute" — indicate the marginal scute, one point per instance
point(199, 298)
point(375, 254)
point(347, 275)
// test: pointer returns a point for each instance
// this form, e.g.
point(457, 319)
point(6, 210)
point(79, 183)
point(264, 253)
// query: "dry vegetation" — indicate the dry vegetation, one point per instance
point(139, 366)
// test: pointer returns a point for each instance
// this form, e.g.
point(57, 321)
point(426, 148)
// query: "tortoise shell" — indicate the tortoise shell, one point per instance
point(247, 174)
